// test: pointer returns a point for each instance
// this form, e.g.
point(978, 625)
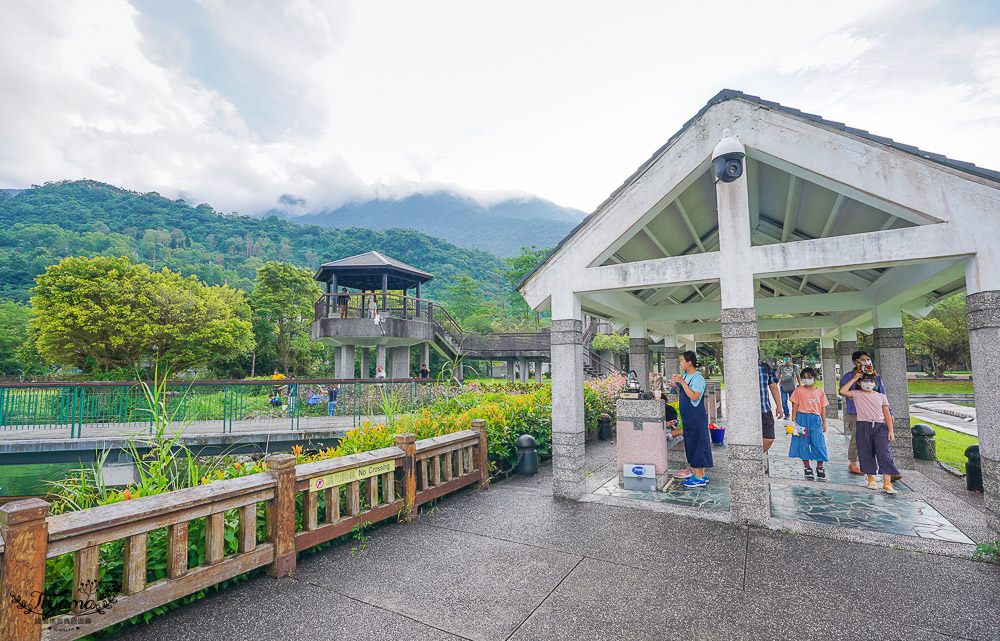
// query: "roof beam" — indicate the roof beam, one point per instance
point(834, 214)
point(687, 223)
point(823, 303)
point(753, 190)
point(871, 249)
point(653, 239)
point(769, 233)
point(659, 272)
point(791, 208)
point(841, 188)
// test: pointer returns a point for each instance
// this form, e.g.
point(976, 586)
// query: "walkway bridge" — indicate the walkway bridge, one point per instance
point(385, 317)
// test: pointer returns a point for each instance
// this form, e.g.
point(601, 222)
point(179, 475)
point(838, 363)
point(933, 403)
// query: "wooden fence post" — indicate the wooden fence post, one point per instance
point(408, 443)
point(22, 572)
point(280, 515)
point(483, 463)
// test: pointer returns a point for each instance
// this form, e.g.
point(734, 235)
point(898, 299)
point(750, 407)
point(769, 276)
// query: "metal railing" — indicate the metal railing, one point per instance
point(80, 408)
point(460, 341)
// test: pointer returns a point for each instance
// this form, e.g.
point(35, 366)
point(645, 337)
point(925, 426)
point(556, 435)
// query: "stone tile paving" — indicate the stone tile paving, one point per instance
point(713, 497)
point(836, 472)
point(866, 511)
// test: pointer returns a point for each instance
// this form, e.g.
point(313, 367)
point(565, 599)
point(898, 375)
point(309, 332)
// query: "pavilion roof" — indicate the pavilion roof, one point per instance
point(365, 271)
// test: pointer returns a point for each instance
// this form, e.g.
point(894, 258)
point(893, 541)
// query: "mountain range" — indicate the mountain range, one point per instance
point(503, 228)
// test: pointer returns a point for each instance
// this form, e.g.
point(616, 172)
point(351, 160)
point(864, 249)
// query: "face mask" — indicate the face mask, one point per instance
point(807, 381)
point(787, 360)
point(868, 385)
point(865, 362)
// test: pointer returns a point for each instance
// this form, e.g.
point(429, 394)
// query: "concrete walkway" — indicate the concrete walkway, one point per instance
point(515, 563)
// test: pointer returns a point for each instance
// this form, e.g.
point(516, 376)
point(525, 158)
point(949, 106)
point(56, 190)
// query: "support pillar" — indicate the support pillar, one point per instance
point(511, 377)
point(670, 356)
point(983, 315)
point(460, 371)
point(828, 358)
point(400, 362)
point(749, 491)
point(750, 501)
point(522, 366)
point(890, 363)
point(345, 361)
point(846, 347)
point(425, 348)
point(567, 397)
point(365, 355)
point(638, 353)
point(380, 359)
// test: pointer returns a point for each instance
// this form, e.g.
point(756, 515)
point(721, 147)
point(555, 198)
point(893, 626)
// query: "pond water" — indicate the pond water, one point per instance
point(29, 480)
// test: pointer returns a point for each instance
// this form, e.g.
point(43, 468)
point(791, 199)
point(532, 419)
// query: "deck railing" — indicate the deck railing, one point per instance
point(337, 495)
point(78, 407)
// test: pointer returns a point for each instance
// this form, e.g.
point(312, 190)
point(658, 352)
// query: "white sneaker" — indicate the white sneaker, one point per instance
point(684, 474)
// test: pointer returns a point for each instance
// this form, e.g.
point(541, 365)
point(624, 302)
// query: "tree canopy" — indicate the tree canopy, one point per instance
point(115, 314)
point(282, 302)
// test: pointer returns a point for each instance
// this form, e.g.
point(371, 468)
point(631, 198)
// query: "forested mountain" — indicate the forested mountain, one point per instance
point(42, 225)
point(502, 228)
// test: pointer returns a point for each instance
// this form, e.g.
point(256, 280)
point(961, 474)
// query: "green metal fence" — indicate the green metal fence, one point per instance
point(210, 406)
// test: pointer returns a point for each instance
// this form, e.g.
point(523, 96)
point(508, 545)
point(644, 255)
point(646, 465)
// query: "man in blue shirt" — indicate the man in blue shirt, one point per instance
point(861, 359)
point(768, 381)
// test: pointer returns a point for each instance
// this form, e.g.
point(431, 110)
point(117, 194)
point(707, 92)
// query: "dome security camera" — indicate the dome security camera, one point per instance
point(727, 158)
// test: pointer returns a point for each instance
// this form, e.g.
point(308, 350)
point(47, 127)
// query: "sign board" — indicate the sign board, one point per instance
point(353, 474)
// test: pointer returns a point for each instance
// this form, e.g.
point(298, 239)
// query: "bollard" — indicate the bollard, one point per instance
point(973, 469)
point(924, 446)
point(604, 427)
point(527, 455)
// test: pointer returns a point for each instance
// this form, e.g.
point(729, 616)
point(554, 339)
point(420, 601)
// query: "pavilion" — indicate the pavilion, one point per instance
point(830, 230)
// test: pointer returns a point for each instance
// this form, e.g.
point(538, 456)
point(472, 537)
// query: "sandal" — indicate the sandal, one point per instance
point(820, 473)
point(809, 472)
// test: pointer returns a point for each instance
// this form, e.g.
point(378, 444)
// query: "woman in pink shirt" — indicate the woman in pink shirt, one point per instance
point(808, 442)
point(874, 431)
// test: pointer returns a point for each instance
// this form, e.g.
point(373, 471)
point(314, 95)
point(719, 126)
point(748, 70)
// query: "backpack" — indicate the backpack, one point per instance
point(787, 381)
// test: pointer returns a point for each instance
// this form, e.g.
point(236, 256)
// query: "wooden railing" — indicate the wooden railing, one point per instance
point(355, 490)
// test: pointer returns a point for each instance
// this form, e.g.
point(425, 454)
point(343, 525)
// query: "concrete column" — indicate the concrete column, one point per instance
point(345, 361)
point(511, 378)
point(749, 492)
point(380, 359)
point(847, 345)
point(365, 368)
point(400, 357)
point(983, 314)
point(638, 352)
point(522, 366)
point(890, 363)
point(460, 371)
point(425, 354)
point(750, 501)
point(828, 357)
point(567, 398)
point(670, 356)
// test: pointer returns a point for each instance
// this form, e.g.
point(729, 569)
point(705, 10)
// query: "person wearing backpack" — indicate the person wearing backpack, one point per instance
point(788, 380)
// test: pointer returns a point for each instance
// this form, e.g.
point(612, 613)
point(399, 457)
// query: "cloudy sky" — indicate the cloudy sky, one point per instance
point(236, 103)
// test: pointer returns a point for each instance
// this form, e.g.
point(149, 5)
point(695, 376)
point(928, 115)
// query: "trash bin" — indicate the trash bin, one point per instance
point(639, 477)
point(924, 447)
point(604, 427)
point(527, 455)
point(973, 469)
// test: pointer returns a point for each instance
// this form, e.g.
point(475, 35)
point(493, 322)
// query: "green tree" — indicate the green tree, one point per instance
point(282, 302)
point(465, 299)
point(516, 268)
point(112, 314)
point(13, 334)
point(940, 341)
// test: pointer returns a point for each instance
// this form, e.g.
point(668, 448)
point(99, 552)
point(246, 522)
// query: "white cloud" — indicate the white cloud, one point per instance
point(237, 103)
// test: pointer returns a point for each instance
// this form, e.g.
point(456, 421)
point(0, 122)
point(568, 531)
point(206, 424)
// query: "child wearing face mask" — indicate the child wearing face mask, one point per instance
point(807, 412)
point(874, 430)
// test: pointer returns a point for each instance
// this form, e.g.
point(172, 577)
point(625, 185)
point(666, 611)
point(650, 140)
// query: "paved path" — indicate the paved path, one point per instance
point(515, 563)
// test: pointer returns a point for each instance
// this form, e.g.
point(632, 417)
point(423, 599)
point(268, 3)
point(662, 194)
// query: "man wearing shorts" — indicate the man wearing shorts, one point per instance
point(767, 381)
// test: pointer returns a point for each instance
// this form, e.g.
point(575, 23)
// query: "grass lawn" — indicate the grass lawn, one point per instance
point(940, 387)
point(951, 445)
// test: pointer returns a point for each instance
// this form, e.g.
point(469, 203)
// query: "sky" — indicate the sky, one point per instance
point(324, 102)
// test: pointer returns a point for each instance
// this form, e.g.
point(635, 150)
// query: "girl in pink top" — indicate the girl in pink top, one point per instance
point(874, 431)
point(808, 442)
